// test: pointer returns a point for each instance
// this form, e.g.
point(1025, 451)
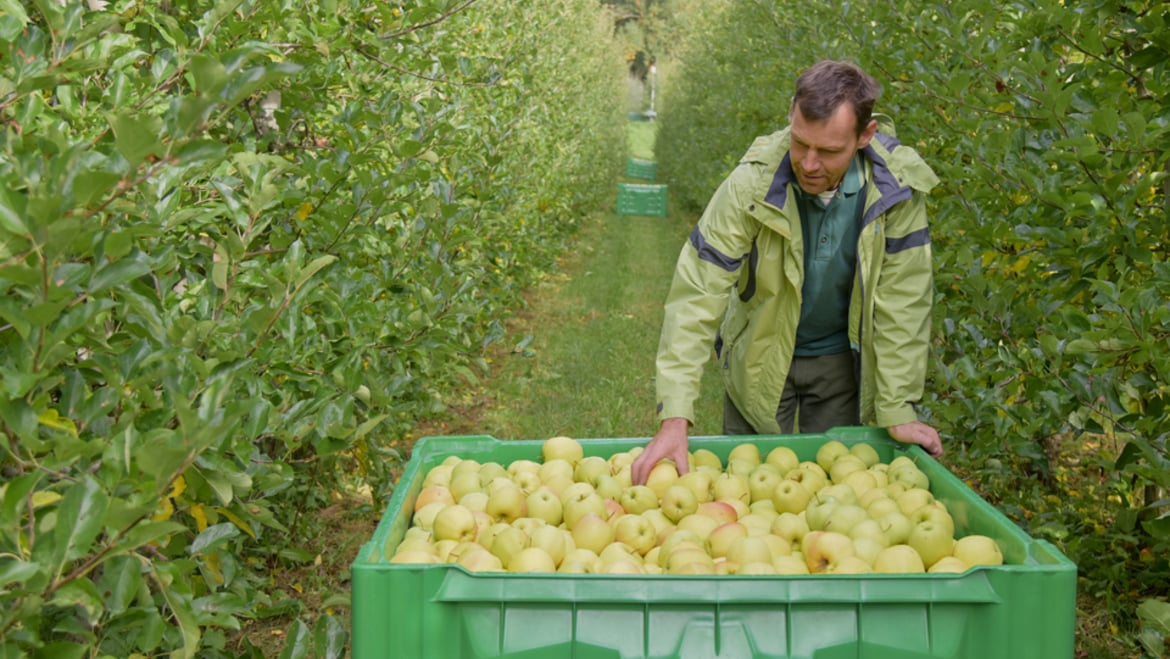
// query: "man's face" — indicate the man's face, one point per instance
point(822, 150)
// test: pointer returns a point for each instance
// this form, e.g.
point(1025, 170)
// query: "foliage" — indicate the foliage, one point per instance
point(1043, 121)
point(242, 244)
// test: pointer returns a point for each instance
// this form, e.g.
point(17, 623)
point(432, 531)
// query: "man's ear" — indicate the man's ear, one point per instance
point(867, 134)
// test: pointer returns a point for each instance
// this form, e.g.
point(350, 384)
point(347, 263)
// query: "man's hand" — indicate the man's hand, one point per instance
point(917, 432)
point(669, 442)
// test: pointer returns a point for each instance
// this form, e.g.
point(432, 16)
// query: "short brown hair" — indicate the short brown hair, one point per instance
point(827, 84)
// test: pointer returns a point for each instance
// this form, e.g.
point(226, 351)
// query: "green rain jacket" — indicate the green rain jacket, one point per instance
point(743, 265)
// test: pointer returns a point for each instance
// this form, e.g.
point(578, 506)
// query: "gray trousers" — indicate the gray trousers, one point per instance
point(820, 393)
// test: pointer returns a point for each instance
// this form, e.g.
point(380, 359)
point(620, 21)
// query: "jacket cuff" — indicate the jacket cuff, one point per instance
point(895, 416)
point(669, 410)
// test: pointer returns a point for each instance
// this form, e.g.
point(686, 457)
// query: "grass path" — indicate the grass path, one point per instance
point(582, 360)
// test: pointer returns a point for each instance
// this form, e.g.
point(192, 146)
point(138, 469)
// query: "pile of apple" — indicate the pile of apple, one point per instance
point(845, 512)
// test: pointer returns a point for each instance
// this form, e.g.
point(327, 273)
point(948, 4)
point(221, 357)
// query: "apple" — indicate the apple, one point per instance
point(699, 482)
point(487, 535)
point(862, 482)
point(661, 476)
point(720, 511)
point(678, 501)
point(683, 556)
point(730, 486)
point(528, 524)
point(896, 526)
point(490, 469)
point(531, 559)
point(498, 483)
point(746, 451)
point(674, 539)
point(932, 541)
point(591, 468)
point(479, 559)
point(899, 559)
point(822, 549)
point(867, 549)
point(454, 522)
point(474, 501)
point(438, 475)
point(414, 556)
point(544, 504)
point(791, 527)
point(789, 496)
point(783, 459)
point(811, 478)
point(635, 531)
point(757, 569)
point(739, 467)
point(435, 493)
point(762, 482)
point(720, 538)
point(869, 528)
point(950, 564)
point(637, 499)
point(658, 520)
point(849, 565)
point(843, 466)
point(620, 460)
point(843, 517)
point(528, 481)
point(618, 551)
point(464, 466)
point(910, 475)
point(978, 550)
point(936, 512)
point(424, 517)
point(591, 531)
point(556, 468)
point(576, 490)
point(443, 549)
point(509, 542)
point(559, 484)
point(622, 566)
point(913, 499)
point(867, 453)
point(818, 513)
point(900, 461)
point(836, 492)
point(580, 505)
point(764, 507)
point(871, 495)
point(706, 458)
point(749, 549)
point(562, 448)
point(790, 564)
point(609, 487)
point(700, 525)
point(777, 545)
point(507, 504)
point(523, 466)
point(881, 507)
point(828, 452)
point(757, 523)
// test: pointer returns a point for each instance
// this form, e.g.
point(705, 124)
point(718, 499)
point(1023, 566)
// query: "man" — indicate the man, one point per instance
point(810, 271)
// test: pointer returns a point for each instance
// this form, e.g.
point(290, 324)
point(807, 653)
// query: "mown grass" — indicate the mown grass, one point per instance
point(640, 138)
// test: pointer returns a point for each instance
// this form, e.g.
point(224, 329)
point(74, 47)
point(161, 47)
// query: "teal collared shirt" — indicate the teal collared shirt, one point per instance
point(830, 251)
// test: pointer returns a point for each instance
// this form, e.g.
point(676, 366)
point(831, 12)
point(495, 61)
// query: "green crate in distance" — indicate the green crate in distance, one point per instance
point(641, 199)
point(643, 169)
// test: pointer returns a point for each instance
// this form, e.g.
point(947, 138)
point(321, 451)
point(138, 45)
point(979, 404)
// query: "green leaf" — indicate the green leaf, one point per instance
point(299, 641)
point(136, 136)
point(12, 19)
point(209, 74)
point(120, 582)
point(213, 536)
point(81, 593)
point(330, 638)
point(12, 204)
point(1155, 614)
point(80, 519)
point(15, 571)
point(120, 272)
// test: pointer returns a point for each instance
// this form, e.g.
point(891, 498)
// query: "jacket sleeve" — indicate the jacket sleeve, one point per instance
point(707, 269)
point(902, 314)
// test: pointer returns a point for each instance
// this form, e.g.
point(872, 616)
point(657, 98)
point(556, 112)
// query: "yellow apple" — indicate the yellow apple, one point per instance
point(791, 527)
point(699, 482)
point(790, 564)
point(729, 486)
point(563, 448)
point(978, 550)
point(580, 505)
point(591, 468)
point(749, 549)
point(474, 501)
point(556, 468)
point(932, 541)
point(507, 504)
point(523, 466)
point(438, 475)
point(635, 531)
point(705, 457)
point(789, 496)
point(454, 522)
point(507, 543)
point(828, 452)
point(544, 504)
point(899, 559)
point(720, 511)
point(414, 556)
point(637, 499)
point(849, 565)
point(948, 564)
point(532, 559)
point(678, 501)
point(609, 487)
point(913, 499)
point(700, 525)
point(824, 548)
point(867, 549)
point(745, 451)
point(867, 453)
point(934, 511)
point(661, 476)
point(896, 526)
point(762, 482)
point(720, 538)
point(424, 517)
point(591, 531)
point(435, 493)
point(479, 559)
point(577, 489)
point(843, 466)
point(783, 458)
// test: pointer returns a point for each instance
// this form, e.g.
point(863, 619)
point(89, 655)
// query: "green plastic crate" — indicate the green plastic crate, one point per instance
point(641, 199)
point(643, 169)
point(1022, 610)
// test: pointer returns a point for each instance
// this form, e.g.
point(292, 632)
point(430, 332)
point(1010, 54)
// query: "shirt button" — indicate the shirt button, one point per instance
point(824, 239)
